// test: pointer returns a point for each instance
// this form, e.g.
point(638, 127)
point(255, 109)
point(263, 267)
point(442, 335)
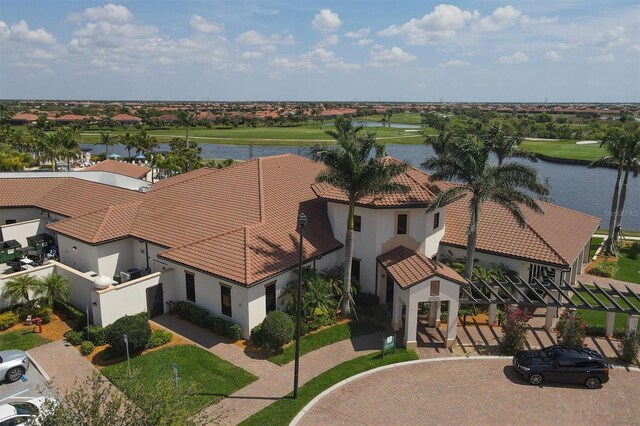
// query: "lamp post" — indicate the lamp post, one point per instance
point(302, 221)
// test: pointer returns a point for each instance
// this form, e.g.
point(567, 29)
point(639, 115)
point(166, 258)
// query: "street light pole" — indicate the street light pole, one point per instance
point(302, 221)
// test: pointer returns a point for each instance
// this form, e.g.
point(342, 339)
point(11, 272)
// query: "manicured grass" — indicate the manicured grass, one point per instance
point(629, 263)
point(19, 339)
point(325, 337)
point(400, 118)
point(626, 233)
point(564, 149)
point(284, 410)
point(214, 378)
point(595, 243)
point(598, 318)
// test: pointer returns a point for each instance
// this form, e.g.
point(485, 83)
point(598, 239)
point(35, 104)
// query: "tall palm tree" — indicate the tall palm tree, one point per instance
point(107, 140)
point(357, 166)
point(12, 160)
point(19, 289)
point(631, 159)
point(468, 163)
point(144, 142)
point(53, 287)
point(127, 141)
point(613, 142)
point(186, 119)
point(504, 144)
point(68, 145)
point(48, 147)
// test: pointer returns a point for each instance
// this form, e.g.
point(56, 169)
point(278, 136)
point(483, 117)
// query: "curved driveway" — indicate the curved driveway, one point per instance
point(474, 391)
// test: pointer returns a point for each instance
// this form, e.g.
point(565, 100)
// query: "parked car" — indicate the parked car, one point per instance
point(562, 364)
point(22, 412)
point(13, 364)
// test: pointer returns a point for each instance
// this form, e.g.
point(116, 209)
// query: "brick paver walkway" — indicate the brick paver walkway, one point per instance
point(64, 364)
point(479, 392)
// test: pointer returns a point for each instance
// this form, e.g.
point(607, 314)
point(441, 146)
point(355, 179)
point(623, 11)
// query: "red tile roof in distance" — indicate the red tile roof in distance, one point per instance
point(120, 167)
point(409, 268)
point(24, 116)
point(126, 118)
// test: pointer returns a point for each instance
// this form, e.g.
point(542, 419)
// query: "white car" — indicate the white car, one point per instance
point(22, 412)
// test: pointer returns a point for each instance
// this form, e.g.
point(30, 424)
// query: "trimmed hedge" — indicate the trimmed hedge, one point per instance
point(74, 315)
point(201, 317)
point(95, 334)
point(137, 329)
point(8, 320)
point(86, 347)
point(256, 335)
point(74, 337)
point(277, 329)
point(159, 338)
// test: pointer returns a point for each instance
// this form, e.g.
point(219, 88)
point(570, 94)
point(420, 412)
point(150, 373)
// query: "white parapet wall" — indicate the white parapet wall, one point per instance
point(21, 230)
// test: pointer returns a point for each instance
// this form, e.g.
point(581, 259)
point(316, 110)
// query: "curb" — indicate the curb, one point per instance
point(315, 400)
point(38, 367)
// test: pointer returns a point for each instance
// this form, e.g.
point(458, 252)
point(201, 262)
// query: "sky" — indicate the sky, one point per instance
point(343, 50)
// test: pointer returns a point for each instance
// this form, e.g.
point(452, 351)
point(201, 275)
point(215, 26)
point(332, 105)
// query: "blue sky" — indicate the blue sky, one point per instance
point(405, 50)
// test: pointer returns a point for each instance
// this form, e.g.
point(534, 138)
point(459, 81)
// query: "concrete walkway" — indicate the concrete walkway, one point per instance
point(608, 282)
point(274, 381)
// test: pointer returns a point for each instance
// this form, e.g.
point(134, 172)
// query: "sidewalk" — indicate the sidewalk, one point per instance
point(587, 279)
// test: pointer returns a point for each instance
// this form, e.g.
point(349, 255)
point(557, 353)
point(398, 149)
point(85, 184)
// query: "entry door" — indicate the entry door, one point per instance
point(155, 301)
point(390, 286)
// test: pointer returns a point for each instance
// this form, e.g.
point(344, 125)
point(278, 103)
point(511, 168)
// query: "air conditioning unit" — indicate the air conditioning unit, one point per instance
point(124, 277)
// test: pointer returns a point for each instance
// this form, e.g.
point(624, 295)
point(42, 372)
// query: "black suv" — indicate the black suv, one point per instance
point(562, 364)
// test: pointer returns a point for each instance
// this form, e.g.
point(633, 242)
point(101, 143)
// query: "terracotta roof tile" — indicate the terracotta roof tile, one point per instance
point(409, 268)
point(126, 118)
point(119, 167)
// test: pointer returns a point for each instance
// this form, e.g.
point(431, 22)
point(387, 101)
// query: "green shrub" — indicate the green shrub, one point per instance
point(159, 338)
point(514, 330)
point(74, 337)
point(136, 327)
point(277, 330)
point(8, 320)
point(606, 268)
point(571, 330)
point(74, 316)
point(629, 347)
point(86, 347)
point(95, 334)
point(43, 313)
point(256, 335)
point(201, 317)
point(318, 321)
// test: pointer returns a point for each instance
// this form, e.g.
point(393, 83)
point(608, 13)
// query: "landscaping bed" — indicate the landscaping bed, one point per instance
point(285, 409)
point(212, 378)
point(625, 267)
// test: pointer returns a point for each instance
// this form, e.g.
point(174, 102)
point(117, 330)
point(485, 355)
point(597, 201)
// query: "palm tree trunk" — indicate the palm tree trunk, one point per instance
point(619, 212)
point(348, 258)
point(187, 127)
point(614, 211)
point(106, 146)
point(472, 237)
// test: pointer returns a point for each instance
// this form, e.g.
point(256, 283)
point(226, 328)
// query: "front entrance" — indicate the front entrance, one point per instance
point(155, 301)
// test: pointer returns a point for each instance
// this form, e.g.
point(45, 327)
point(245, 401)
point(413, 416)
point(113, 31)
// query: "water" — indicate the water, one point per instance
point(573, 186)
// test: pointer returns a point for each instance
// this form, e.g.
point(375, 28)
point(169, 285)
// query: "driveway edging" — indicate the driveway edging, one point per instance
point(318, 397)
point(38, 367)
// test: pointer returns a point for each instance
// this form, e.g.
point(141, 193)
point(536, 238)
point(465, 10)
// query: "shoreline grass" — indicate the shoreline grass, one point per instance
point(285, 409)
point(564, 149)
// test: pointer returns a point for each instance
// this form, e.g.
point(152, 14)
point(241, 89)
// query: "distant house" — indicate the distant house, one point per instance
point(126, 119)
point(24, 118)
point(121, 168)
point(69, 119)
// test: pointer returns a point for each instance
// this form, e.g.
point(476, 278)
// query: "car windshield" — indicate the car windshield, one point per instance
point(23, 408)
point(545, 353)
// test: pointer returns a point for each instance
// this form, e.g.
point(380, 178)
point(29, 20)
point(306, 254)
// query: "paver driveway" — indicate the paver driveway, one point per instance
point(470, 391)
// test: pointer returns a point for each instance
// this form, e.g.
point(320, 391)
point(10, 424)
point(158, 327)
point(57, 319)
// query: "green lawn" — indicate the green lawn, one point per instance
point(284, 410)
point(626, 233)
point(23, 340)
point(629, 263)
point(330, 335)
point(564, 149)
point(595, 243)
point(598, 318)
point(400, 118)
point(214, 378)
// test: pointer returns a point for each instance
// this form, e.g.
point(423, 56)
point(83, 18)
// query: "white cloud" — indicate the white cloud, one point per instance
point(634, 50)
point(201, 25)
point(567, 45)
point(600, 59)
point(552, 56)
point(20, 33)
point(326, 21)
point(516, 58)
point(364, 42)
point(501, 18)
point(252, 54)
point(109, 13)
point(292, 65)
point(611, 38)
point(329, 40)
point(442, 23)
point(541, 20)
point(390, 57)
point(361, 33)
point(344, 66)
point(321, 54)
point(267, 43)
point(455, 63)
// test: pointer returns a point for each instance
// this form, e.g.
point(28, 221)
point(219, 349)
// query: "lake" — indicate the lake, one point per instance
point(573, 186)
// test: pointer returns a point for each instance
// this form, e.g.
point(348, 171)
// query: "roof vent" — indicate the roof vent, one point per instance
point(101, 282)
point(144, 188)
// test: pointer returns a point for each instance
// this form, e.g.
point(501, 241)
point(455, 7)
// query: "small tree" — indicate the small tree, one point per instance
point(20, 289)
point(571, 329)
point(52, 288)
point(629, 347)
point(277, 329)
point(514, 330)
point(137, 329)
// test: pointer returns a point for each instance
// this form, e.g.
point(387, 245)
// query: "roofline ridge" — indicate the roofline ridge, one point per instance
point(568, 209)
point(247, 257)
point(102, 223)
point(222, 234)
point(418, 183)
point(172, 184)
point(261, 209)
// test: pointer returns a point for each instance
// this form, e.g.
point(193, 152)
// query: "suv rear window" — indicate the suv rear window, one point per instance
point(567, 362)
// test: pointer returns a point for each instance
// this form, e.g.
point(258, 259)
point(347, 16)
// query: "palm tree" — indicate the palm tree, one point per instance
point(68, 145)
point(144, 142)
point(613, 142)
point(468, 163)
point(504, 144)
point(631, 159)
point(12, 160)
point(357, 166)
point(48, 147)
point(18, 289)
point(186, 119)
point(53, 287)
point(127, 140)
point(107, 139)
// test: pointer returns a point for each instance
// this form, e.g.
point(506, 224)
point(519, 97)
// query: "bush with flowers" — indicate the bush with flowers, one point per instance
point(571, 329)
point(514, 329)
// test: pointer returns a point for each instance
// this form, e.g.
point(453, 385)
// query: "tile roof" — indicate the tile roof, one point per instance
point(125, 118)
point(555, 237)
point(119, 167)
point(24, 116)
point(409, 268)
point(420, 194)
